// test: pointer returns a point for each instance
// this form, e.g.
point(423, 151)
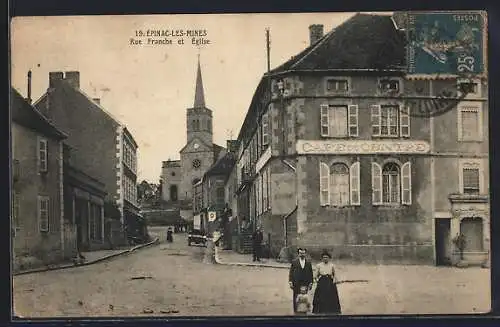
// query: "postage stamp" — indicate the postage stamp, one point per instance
point(252, 165)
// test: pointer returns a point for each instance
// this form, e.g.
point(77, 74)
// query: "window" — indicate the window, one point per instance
point(339, 121)
point(470, 179)
point(469, 122)
point(220, 195)
point(472, 229)
point(42, 155)
point(391, 183)
point(339, 184)
point(337, 85)
point(390, 120)
point(43, 213)
point(389, 86)
point(265, 129)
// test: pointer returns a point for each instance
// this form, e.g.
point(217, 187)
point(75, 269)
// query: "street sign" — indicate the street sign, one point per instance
point(212, 215)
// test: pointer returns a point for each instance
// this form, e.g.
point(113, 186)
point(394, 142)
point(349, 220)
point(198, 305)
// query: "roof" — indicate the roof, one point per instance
point(363, 42)
point(79, 91)
point(223, 166)
point(28, 116)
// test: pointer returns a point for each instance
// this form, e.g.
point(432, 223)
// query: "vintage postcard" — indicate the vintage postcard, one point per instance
point(250, 165)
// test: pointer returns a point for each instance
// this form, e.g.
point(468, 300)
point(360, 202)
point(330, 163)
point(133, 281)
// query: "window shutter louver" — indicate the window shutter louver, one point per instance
point(404, 122)
point(355, 183)
point(324, 184)
point(325, 127)
point(376, 119)
point(406, 183)
point(353, 120)
point(376, 184)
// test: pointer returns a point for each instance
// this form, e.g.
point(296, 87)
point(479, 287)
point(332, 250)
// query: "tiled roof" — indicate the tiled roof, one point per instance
point(363, 42)
point(222, 166)
point(25, 114)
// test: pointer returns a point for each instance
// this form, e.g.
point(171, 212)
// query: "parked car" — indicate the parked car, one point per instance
point(196, 237)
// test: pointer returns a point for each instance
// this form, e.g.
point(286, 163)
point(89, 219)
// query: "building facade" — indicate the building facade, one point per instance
point(336, 159)
point(37, 188)
point(102, 147)
point(83, 208)
point(209, 193)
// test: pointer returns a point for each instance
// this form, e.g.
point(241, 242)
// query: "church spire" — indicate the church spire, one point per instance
point(199, 96)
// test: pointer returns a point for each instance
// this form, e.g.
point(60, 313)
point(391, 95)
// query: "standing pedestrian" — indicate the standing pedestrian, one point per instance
point(300, 274)
point(326, 297)
point(257, 238)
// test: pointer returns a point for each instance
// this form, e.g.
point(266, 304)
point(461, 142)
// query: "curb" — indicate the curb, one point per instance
point(110, 256)
point(247, 264)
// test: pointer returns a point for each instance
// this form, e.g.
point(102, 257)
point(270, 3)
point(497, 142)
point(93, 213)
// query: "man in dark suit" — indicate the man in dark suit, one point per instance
point(301, 274)
point(257, 238)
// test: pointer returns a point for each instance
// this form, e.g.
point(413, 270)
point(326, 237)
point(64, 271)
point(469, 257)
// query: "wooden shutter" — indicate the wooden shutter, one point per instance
point(354, 184)
point(353, 120)
point(376, 119)
point(376, 184)
point(406, 183)
point(265, 129)
point(404, 121)
point(325, 126)
point(324, 184)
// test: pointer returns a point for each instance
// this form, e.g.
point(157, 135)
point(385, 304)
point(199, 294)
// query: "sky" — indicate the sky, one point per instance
point(149, 87)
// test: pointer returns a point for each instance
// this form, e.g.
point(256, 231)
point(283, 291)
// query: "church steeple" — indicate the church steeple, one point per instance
point(199, 95)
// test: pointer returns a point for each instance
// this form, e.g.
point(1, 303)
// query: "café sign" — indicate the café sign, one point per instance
point(362, 147)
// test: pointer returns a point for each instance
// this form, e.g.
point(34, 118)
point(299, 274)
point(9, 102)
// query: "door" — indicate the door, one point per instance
point(442, 241)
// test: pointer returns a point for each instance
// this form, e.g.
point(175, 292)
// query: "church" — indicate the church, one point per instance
point(196, 157)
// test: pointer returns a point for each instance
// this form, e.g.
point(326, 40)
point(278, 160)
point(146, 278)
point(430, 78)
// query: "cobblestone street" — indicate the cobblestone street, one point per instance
point(171, 280)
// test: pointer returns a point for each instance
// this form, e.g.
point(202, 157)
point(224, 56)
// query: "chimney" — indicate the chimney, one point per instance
point(29, 87)
point(315, 33)
point(73, 78)
point(54, 78)
point(97, 100)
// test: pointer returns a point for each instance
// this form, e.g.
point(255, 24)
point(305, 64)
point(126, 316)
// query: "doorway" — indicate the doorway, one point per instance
point(442, 241)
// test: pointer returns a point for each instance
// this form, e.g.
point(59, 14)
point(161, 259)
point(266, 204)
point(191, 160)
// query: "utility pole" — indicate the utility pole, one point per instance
point(268, 48)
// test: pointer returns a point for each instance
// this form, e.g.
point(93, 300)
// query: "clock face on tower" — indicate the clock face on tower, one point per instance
point(196, 163)
point(196, 145)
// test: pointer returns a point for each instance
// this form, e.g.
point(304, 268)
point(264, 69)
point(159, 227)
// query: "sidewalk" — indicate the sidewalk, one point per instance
point(232, 258)
point(91, 257)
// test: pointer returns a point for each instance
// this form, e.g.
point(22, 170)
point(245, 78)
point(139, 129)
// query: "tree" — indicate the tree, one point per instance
point(145, 192)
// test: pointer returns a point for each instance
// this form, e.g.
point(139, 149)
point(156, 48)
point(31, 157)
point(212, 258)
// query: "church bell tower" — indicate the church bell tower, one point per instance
point(199, 117)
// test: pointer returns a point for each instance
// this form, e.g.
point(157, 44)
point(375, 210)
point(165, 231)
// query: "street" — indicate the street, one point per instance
point(171, 280)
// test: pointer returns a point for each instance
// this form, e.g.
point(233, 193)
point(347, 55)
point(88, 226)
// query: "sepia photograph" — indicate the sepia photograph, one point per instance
point(257, 165)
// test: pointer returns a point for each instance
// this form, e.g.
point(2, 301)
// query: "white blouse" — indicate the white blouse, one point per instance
point(324, 269)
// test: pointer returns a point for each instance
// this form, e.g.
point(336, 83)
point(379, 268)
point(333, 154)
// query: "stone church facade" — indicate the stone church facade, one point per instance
point(196, 157)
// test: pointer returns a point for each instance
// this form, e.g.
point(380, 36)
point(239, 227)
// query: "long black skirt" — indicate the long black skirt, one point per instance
point(326, 297)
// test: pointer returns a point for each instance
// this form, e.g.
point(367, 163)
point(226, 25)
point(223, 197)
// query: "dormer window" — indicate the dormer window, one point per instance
point(389, 86)
point(337, 85)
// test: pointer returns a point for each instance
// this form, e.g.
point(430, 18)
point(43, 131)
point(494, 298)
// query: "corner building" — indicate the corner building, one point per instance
point(337, 161)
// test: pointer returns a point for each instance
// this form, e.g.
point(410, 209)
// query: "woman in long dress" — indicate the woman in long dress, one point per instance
point(326, 297)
